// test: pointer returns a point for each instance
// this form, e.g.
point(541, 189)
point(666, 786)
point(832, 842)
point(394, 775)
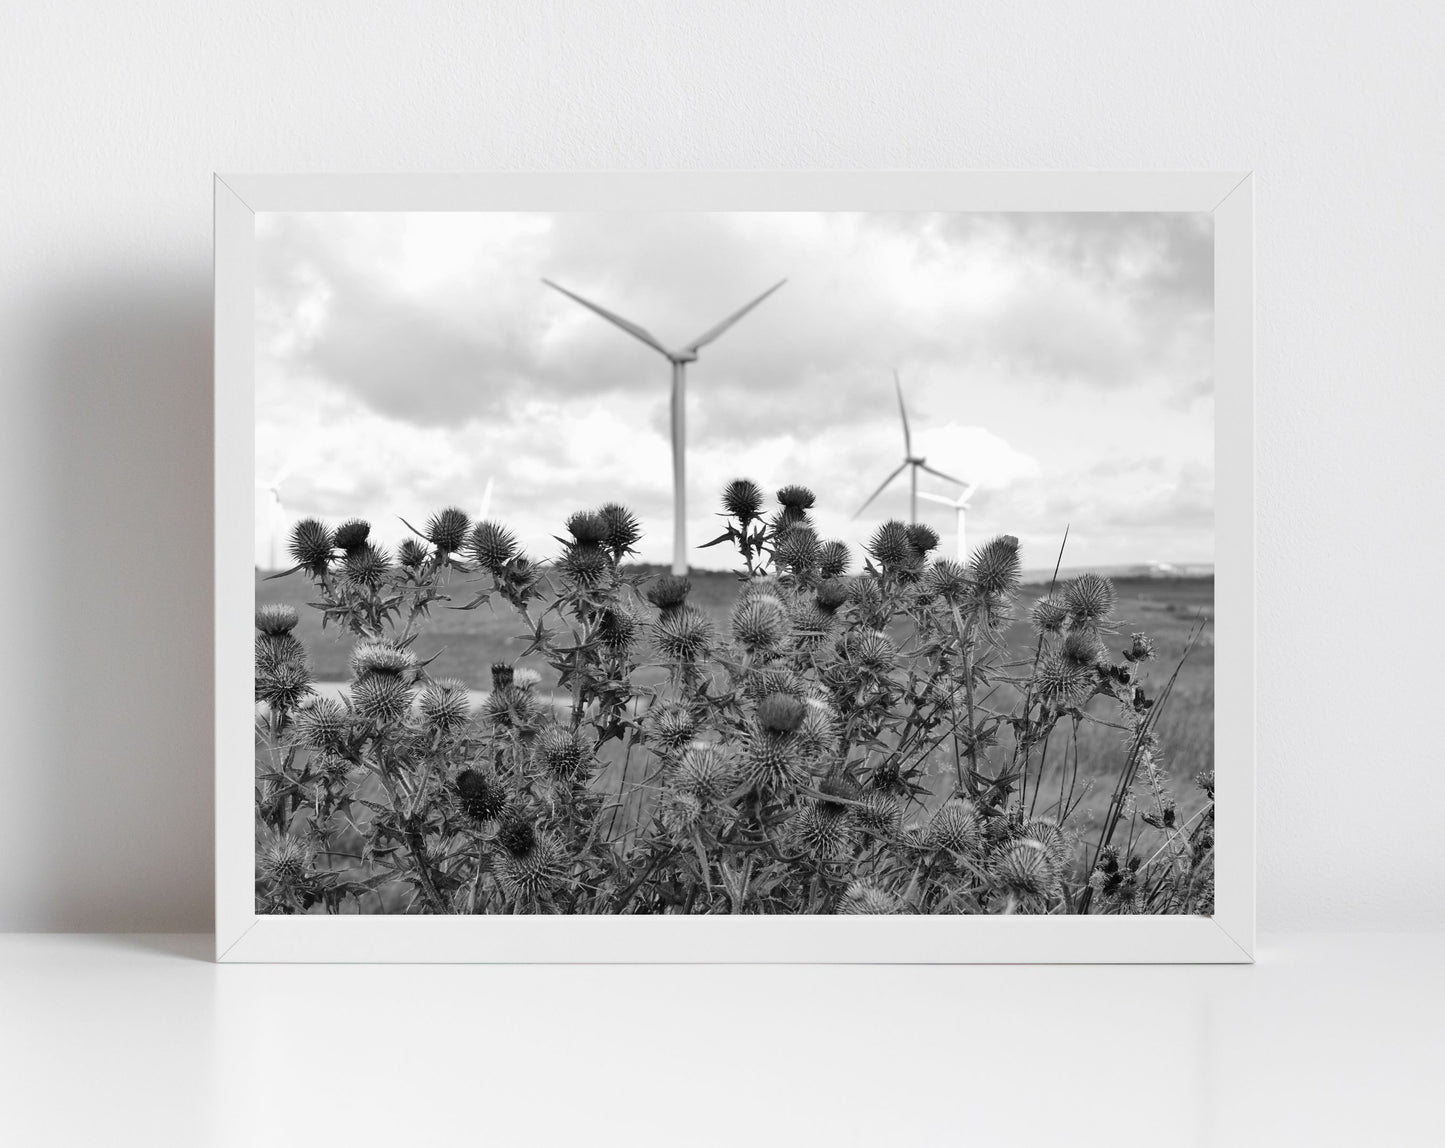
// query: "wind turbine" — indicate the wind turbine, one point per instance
point(959, 504)
point(679, 360)
point(486, 509)
point(277, 511)
point(910, 460)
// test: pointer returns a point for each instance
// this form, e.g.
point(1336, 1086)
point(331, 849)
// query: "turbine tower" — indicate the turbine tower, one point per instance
point(679, 360)
point(959, 504)
point(276, 512)
point(910, 460)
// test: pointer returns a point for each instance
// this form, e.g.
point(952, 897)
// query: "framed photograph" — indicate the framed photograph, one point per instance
point(806, 567)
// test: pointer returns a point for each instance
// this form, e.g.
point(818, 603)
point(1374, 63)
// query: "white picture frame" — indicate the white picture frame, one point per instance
point(244, 936)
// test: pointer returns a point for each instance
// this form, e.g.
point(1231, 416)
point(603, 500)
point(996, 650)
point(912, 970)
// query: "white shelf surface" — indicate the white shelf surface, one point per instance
point(1328, 1039)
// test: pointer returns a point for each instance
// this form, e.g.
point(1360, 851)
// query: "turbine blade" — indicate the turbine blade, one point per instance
point(938, 498)
point(940, 474)
point(486, 507)
point(881, 489)
point(903, 413)
point(616, 320)
point(708, 336)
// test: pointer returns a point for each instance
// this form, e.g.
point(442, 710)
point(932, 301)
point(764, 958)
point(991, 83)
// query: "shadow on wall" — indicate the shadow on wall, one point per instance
point(126, 791)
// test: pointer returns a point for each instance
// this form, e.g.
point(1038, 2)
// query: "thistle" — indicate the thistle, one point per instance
point(774, 680)
point(1090, 600)
point(683, 635)
point(511, 708)
point(1024, 868)
point(948, 580)
point(810, 625)
point(878, 814)
point(680, 813)
point(831, 594)
point(672, 728)
point(775, 760)
point(1082, 648)
point(351, 534)
point(892, 546)
point(365, 565)
point(324, 725)
point(704, 772)
point(477, 798)
point(447, 530)
point(1141, 648)
point(1061, 682)
point(1048, 834)
point(623, 530)
point(743, 500)
point(994, 567)
point(956, 828)
point(284, 687)
point(862, 898)
point(445, 705)
point(492, 545)
point(273, 650)
point(781, 713)
point(834, 559)
point(311, 545)
point(797, 550)
point(796, 498)
point(819, 729)
point(669, 592)
point(275, 619)
point(503, 675)
point(617, 628)
point(285, 859)
point(585, 566)
point(924, 538)
point(562, 754)
point(588, 528)
point(382, 659)
point(411, 554)
point(531, 863)
point(821, 830)
point(1047, 616)
point(871, 650)
point(382, 699)
point(758, 624)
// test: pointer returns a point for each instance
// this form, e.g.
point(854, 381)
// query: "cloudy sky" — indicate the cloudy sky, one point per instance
point(1062, 362)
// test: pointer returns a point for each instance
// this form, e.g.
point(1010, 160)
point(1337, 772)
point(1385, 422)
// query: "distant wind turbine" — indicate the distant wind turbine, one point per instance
point(679, 360)
point(486, 507)
point(910, 460)
point(276, 513)
point(959, 504)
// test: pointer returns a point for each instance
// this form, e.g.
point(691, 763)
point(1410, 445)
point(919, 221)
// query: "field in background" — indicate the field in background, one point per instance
point(466, 643)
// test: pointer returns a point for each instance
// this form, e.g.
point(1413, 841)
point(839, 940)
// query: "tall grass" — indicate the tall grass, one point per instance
point(876, 742)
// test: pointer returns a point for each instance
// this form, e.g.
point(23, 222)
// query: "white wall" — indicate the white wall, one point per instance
point(113, 115)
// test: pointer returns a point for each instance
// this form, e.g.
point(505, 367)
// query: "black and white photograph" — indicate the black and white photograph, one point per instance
point(734, 563)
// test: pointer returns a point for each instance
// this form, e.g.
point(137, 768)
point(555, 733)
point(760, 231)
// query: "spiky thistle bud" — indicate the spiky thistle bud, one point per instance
point(562, 754)
point(743, 499)
point(831, 594)
point(1090, 599)
point(957, 828)
point(365, 565)
point(324, 725)
point(411, 554)
point(669, 592)
point(819, 729)
point(865, 899)
point(820, 830)
point(274, 650)
point(809, 625)
point(352, 533)
point(1082, 648)
point(511, 708)
point(623, 529)
point(1048, 834)
point(892, 546)
point(1024, 868)
point(285, 859)
point(276, 618)
point(672, 728)
point(947, 580)
point(311, 545)
point(887, 778)
point(797, 497)
point(759, 624)
point(679, 812)
point(878, 814)
point(588, 528)
point(780, 713)
point(871, 650)
point(834, 559)
point(447, 529)
point(797, 550)
point(840, 790)
point(492, 545)
point(684, 634)
point(285, 686)
point(382, 699)
point(334, 768)
point(995, 566)
point(775, 761)
point(1141, 649)
point(924, 538)
point(704, 771)
point(870, 601)
point(382, 658)
point(531, 863)
point(585, 566)
point(502, 675)
point(1047, 616)
point(617, 628)
point(1061, 682)
point(477, 797)
point(774, 680)
point(445, 705)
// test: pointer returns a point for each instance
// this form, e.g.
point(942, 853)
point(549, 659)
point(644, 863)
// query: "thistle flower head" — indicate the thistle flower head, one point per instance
point(797, 549)
point(759, 624)
point(878, 814)
point(1090, 600)
point(809, 625)
point(838, 785)
point(276, 618)
point(669, 591)
point(995, 566)
point(1047, 616)
point(285, 859)
point(562, 754)
point(311, 545)
point(324, 725)
point(672, 728)
point(585, 566)
point(774, 680)
point(411, 554)
point(1024, 868)
point(524, 678)
point(365, 565)
point(796, 497)
point(274, 650)
point(1061, 682)
point(957, 828)
point(517, 837)
point(1048, 834)
point(892, 545)
point(704, 771)
point(623, 529)
point(382, 699)
point(617, 628)
point(834, 559)
point(743, 499)
point(947, 579)
point(531, 863)
point(285, 686)
point(683, 634)
point(492, 545)
point(831, 594)
point(502, 675)
point(381, 658)
point(819, 730)
point(871, 650)
point(781, 713)
point(869, 601)
point(588, 527)
point(924, 538)
point(445, 705)
point(886, 778)
point(820, 830)
point(680, 812)
point(862, 898)
point(1141, 648)
point(334, 768)
point(775, 761)
point(477, 797)
point(1081, 647)
point(511, 708)
point(352, 533)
